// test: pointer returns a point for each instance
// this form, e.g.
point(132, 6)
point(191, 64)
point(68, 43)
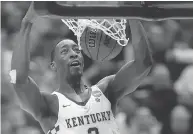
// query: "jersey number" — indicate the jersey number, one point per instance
point(93, 129)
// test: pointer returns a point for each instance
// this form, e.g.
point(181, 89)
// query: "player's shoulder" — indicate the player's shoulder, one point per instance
point(51, 101)
point(48, 95)
point(104, 83)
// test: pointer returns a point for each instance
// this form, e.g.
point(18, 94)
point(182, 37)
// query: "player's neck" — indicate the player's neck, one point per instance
point(76, 83)
point(71, 85)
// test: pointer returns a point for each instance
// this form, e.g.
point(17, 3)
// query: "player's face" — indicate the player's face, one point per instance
point(69, 58)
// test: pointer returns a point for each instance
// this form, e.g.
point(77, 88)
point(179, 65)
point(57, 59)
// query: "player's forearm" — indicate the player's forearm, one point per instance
point(133, 72)
point(21, 53)
point(143, 55)
point(142, 61)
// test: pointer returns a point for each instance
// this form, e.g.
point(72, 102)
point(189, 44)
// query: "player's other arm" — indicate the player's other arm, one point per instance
point(26, 89)
point(129, 77)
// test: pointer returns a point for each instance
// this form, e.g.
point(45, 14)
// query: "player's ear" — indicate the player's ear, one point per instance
point(53, 66)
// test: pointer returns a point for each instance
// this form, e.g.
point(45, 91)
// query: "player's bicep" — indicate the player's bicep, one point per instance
point(30, 98)
point(128, 75)
point(126, 85)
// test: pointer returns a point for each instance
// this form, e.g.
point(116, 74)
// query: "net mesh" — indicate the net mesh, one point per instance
point(115, 28)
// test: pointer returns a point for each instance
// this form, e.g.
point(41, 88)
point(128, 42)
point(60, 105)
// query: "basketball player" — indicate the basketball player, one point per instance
point(76, 108)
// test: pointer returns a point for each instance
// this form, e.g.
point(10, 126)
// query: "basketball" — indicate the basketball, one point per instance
point(99, 46)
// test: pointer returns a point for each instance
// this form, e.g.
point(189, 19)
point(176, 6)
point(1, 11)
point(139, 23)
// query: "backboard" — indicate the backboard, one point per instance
point(120, 9)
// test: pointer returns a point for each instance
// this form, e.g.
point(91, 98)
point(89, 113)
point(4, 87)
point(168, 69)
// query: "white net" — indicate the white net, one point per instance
point(115, 28)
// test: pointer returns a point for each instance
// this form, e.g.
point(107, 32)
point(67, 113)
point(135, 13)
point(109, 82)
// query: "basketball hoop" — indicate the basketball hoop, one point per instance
point(115, 28)
point(148, 11)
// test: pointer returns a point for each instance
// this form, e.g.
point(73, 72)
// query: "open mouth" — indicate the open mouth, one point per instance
point(75, 64)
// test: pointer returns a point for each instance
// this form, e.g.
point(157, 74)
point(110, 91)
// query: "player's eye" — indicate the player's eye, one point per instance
point(64, 51)
point(77, 50)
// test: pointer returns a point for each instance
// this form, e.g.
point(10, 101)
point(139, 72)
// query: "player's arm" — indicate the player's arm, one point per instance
point(129, 77)
point(26, 89)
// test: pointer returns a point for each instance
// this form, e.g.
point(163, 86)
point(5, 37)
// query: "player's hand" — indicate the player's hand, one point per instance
point(38, 9)
point(31, 14)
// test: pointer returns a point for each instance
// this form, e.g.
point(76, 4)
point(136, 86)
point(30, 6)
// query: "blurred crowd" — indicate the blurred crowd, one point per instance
point(163, 104)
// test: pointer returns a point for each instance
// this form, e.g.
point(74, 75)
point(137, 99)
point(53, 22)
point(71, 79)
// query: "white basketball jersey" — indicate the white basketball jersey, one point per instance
point(95, 117)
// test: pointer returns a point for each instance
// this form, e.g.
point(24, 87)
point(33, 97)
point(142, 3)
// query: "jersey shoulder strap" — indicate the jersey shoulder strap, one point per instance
point(62, 99)
point(96, 91)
